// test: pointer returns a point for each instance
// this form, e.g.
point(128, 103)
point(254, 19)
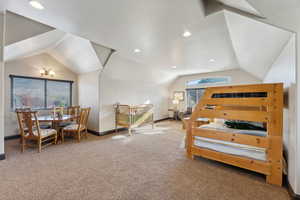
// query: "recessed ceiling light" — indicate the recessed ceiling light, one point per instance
point(174, 67)
point(211, 60)
point(186, 34)
point(137, 51)
point(36, 4)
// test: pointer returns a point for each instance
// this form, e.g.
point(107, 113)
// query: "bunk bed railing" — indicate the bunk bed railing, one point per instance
point(257, 141)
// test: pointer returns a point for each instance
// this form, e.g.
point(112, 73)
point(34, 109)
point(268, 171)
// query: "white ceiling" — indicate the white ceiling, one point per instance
point(77, 54)
point(256, 44)
point(32, 46)
point(210, 40)
point(242, 5)
point(156, 28)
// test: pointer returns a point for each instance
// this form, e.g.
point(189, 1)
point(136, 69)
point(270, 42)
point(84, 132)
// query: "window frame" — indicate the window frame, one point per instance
point(12, 77)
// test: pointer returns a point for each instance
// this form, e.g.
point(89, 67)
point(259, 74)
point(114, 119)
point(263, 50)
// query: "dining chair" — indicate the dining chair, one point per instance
point(74, 111)
point(29, 120)
point(79, 127)
point(24, 109)
point(58, 110)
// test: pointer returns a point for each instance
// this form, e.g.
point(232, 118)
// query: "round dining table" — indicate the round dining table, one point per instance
point(55, 121)
point(51, 118)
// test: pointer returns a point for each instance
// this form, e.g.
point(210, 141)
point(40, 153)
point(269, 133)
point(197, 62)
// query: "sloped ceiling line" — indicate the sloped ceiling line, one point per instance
point(242, 7)
point(231, 41)
point(103, 53)
point(108, 57)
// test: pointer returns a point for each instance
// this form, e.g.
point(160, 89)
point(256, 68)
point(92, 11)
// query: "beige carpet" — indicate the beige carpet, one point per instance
point(149, 165)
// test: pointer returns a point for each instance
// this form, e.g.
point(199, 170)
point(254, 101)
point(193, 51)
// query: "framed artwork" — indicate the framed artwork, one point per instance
point(179, 95)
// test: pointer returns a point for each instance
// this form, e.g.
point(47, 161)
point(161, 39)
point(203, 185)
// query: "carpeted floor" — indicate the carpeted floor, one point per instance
point(149, 165)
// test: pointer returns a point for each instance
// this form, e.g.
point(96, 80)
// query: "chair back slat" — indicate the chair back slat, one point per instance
point(74, 111)
point(58, 111)
point(28, 120)
point(84, 114)
point(88, 110)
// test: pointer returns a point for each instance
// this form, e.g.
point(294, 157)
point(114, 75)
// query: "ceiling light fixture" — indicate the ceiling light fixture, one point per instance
point(47, 72)
point(186, 34)
point(211, 60)
point(137, 51)
point(36, 4)
point(174, 67)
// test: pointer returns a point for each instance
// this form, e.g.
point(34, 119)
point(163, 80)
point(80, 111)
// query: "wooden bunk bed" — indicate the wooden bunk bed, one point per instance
point(262, 103)
point(133, 116)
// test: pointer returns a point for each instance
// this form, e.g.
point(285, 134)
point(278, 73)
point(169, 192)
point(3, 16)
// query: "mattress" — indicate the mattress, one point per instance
point(223, 128)
point(230, 147)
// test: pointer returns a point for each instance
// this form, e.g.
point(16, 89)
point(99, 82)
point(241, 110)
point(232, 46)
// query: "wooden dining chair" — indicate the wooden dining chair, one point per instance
point(58, 110)
point(29, 120)
point(74, 111)
point(24, 109)
point(78, 128)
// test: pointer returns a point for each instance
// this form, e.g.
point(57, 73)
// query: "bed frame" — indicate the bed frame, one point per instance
point(217, 103)
point(133, 116)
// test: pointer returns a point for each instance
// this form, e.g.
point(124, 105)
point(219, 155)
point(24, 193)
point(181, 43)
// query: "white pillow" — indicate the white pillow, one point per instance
point(219, 121)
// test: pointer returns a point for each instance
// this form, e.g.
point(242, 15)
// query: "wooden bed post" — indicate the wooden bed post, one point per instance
point(274, 127)
point(190, 125)
point(189, 139)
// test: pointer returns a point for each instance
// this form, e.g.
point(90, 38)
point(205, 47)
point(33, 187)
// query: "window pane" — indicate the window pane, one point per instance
point(194, 96)
point(28, 93)
point(208, 81)
point(200, 93)
point(58, 93)
point(191, 98)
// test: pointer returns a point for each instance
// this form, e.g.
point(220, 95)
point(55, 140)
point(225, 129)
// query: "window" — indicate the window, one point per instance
point(58, 93)
point(208, 81)
point(39, 93)
point(193, 96)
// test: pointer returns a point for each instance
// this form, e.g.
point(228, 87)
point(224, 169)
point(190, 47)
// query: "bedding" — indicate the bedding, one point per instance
point(244, 125)
point(222, 127)
point(231, 148)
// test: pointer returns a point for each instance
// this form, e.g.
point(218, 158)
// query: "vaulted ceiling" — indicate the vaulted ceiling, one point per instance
point(224, 39)
point(27, 37)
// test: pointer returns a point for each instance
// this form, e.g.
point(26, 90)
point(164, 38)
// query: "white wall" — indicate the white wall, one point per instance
point(237, 77)
point(284, 70)
point(88, 94)
point(2, 31)
point(129, 82)
point(31, 66)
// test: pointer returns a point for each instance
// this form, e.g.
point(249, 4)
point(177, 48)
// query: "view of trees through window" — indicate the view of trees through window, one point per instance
point(40, 93)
